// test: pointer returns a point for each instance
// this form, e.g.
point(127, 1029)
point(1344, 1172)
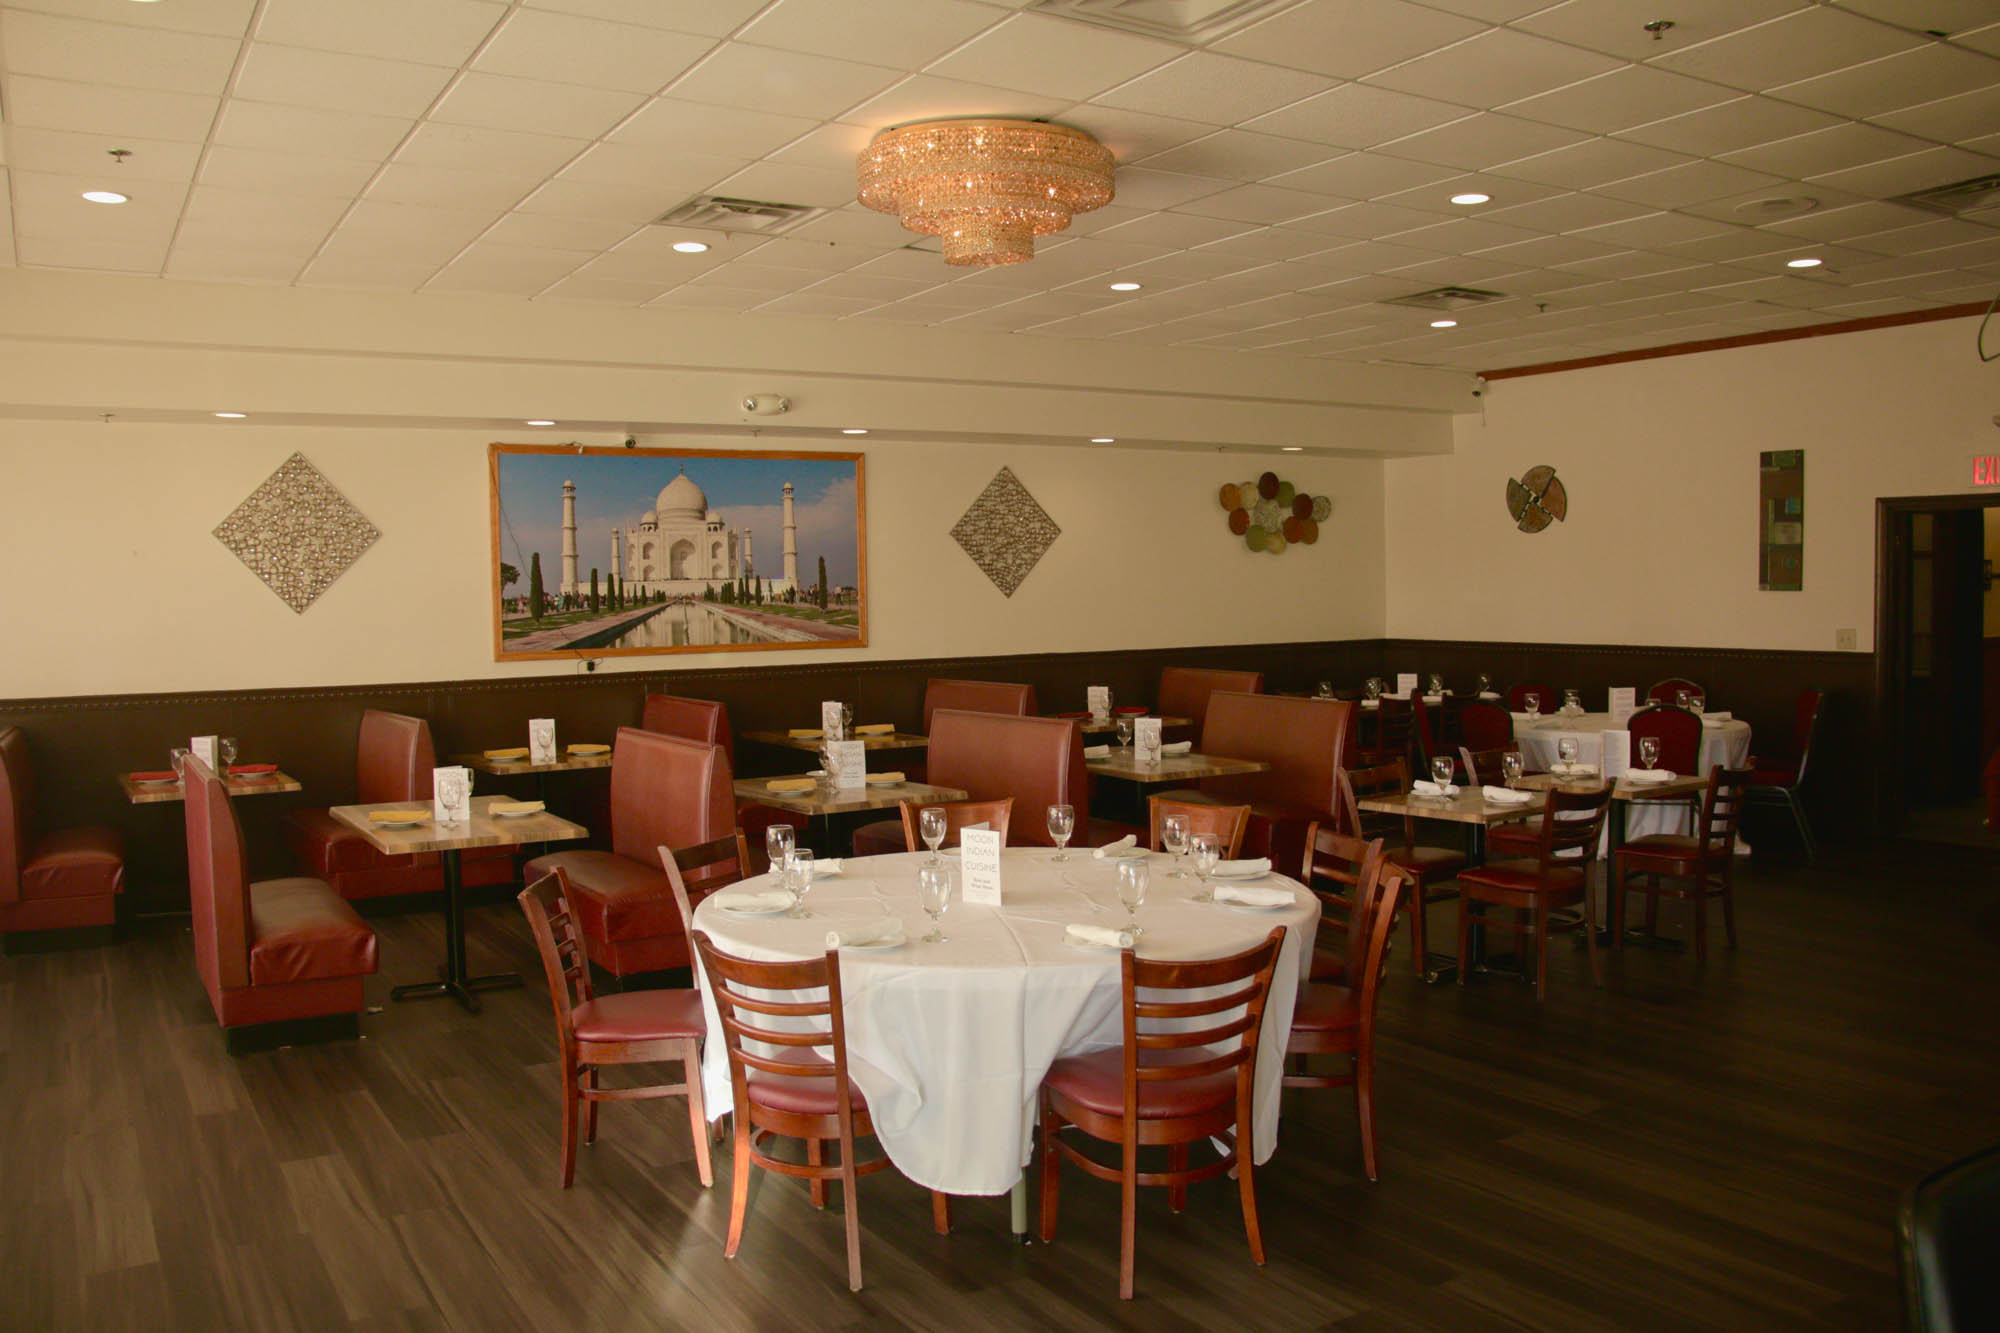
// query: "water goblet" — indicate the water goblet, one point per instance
point(1511, 765)
point(1533, 701)
point(1566, 749)
point(934, 896)
point(1174, 838)
point(1207, 851)
point(1441, 766)
point(1572, 701)
point(1684, 698)
point(1133, 873)
point(778, 846)
point(800, 870)
point(1325, 690)
point(1485, 684)
point(846, 722)
point(1437, 684)
point(930, 823)
point(1124, 726)
point(179, 756)
point(1373, 688)
point(1062, 823)
point(226, 747)
point(1649, 751)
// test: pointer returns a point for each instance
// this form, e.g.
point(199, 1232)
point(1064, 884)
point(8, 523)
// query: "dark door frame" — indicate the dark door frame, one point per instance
point(1886, 723)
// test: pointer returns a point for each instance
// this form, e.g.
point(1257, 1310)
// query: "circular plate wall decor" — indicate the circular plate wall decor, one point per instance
point(1270, 515)
point(1537, 499)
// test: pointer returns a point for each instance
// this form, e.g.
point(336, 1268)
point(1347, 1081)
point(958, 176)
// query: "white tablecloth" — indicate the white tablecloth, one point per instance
point(950, 1041)
point(1727, 744)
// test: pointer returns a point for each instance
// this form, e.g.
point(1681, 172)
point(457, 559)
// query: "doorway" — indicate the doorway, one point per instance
point(1937, 655)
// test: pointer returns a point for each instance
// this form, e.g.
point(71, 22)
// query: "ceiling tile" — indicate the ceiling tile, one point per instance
point(272, 128)
point(1651, 230)
point(775, 182)
point(1795, 46)
point(603, 200)
point(505, 270)
point(1567, 212)
point(545, 232)
point(1927, 232)
point(1547, 251)
point(1594, 162)
point(904, 33)
point(1849, 145)
point(1179, 231)
point(1495, 67)
point(566, 48)
point(1753, 208)
point(64, 153)
point(1841, 224)
point(1274, 243)
point(1952, 16)
point(854, 226)
point(1037, 53)
point(477, 148)
point(342, 266)
point(1365, 221)
point(534, 106)
point(60, 105)
point(1482, 142)
point(803, 303)
point(1612, 27)
point(1140, 187)
point(220, 18)
point(1364, 176)
point(695, 128)
point(1350, 39)
point(1355, 115)
point(1132, 135)
point(834, 147)
point(52, 47)
point(1690, 183)
point(1949, 118)
point(1634, 95)
point(373, 226)
point(1916, 171)
point(786, 83)
point(136, 255)
point(235, 263)
point(1463, 236)
point(1204, 86)
point(1894, 83)
point(688, 295)
point(1239, 155)
point(294, 76)
point(1257, 203)
point(1980, 39)
point(1730, 126)
point(217, 215)
point(713, 18)
point(921, 97)
point(815, 256)
point(448, 187)
point(436, 32)
point(650, 167)
point(304, 174)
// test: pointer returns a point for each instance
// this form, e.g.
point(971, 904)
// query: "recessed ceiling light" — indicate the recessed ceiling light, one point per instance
point(1471, 197)
point(538, 423)
point(105, 196)
point(1444, 323)
point(232, 416)
point(1802, 263)
point(691, 247)
point(1103, 439)
point(1292, 448)
point(1124, 286)
point(853, 430)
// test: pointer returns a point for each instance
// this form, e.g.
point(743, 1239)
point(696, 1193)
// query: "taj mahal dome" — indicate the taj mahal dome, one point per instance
point(680, 546)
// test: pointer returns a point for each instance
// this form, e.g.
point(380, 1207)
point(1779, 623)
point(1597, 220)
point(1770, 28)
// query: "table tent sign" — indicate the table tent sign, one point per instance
point(1099, 702)
point(204, 749)
point(829, 720)
point(1624, 703)
point(1146, 740)
point(847, 764)
point(1406, 684)
point(541, 740)
point(979, 855)
point(451, 795)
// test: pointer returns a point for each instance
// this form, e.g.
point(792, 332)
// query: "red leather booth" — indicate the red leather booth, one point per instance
point(707, 721)
point(1302, 740)
point(65, 879)
point(1185, 691)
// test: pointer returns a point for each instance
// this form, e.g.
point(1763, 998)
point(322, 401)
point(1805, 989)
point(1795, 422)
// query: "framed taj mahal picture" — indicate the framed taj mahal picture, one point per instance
point(607, 552)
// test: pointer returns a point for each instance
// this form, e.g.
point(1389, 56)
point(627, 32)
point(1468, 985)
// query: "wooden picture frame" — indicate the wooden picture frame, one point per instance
point(689, 551)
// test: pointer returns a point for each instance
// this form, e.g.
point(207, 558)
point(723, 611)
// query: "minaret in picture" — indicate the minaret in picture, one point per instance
point(617, 555)
point(749, 569)
point(569, 588)
point(791, 548)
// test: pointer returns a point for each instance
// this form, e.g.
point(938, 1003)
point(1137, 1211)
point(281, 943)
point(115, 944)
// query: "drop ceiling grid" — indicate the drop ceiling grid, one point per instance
point(1288, 171)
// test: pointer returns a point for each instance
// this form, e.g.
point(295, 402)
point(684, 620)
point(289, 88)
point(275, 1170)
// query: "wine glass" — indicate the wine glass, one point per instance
point(1372, 689)
point(1133, 873)
point(1124, 726)
point(934, 896)
point(930, 823)
point(800, 869)
point(1684, 698)
point(1174, 837)
point(1325, 690)
point(846, 722)
point(1533, 701)
point(179, 756)
point(1566, 750)
point(1207, 851)
point(1485, 684)
point(226, 747)
point(1062, 823)
point(1511, 765)
point(778, 847)
point(1441, 766)
point(1437, 684)
point(1649, 751)
point(1572, 701)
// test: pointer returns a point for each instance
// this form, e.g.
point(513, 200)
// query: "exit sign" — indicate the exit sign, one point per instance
point(1986, 470)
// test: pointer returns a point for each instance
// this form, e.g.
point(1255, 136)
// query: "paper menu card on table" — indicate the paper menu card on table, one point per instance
point(204, 749)
point(1617, 754)
point(1098, 701)
point(451, 795)
point(1146, 740)
point(1406, 684)
point(979, 856)
point(829, 720)
point(847, 764)
point(541, 740)
point(1624, 703)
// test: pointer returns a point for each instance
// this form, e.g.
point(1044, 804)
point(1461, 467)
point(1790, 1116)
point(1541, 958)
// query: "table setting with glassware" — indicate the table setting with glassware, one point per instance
point(954, 1009)
point(219, 752)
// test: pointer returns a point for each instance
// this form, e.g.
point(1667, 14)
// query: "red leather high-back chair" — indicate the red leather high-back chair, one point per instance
point(280, 951)
point(1668, 691)
point(1036, 760)
point(1483, 725)
point(1547, 699)
point(1302, 740)
point(68, 879)
point(702, 720)
point(1679, 734)
point(393, 758)
point(977, 696)
point(1185, 691)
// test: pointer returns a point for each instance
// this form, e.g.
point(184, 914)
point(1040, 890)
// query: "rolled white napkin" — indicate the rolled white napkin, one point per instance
point(1425, 787)
point(1506, 796)
point(1124, 844)
point(1643, 776)
point(1096, 937)
point(1177, 747)
point(760, 900)
point(1249, 869)
point(1577, 769)
point(1489, 694)
point(825, 865)
point(1433, 698)
point(867, 935)
point(1096, 752)
point(1244, 895)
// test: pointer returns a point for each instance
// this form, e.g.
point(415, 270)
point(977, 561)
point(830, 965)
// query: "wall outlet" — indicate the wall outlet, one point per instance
point(1845, 640)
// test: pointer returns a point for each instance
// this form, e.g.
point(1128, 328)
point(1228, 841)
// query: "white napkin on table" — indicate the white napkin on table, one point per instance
point(1716, 719)
point(1096, 752)
point(1505, 796)
point(825, 865)
point(868, 934)
point(1489, 694)
point(1243, 869)
point(1646, 776)
point(1177, 747)
point(1118, 848)
point(763, 900)
point(1425, 787)
point(1243, 895)
point(1576, 768)
point(1096, 937)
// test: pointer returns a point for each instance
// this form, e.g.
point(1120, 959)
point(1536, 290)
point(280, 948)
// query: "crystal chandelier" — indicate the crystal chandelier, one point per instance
point(986, 188)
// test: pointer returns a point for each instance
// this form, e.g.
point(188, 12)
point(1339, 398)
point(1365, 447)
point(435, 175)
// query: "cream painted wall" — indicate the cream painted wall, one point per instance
point(1660, 462)
point(119, 586)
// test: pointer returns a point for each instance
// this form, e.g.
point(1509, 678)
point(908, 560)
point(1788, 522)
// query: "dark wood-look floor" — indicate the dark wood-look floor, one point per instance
point(1681, 1151)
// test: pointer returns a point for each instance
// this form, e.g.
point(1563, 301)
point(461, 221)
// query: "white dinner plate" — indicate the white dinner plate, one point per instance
point(727, 910)
point(154, 782)
point(515, 814)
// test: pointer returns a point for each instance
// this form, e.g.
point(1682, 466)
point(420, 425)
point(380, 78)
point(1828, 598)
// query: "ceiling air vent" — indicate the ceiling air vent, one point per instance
point(717, 212)
point(1179, 20)
point(1981, 192)
point(1447, 298)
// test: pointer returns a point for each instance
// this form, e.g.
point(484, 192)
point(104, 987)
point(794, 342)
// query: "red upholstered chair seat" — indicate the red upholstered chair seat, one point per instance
point(1096, 1082)
point(1433, 863)
point(75, 863)
point(1325, 1008)
point(801, 1096)
point(301, 930)
point(640, 1015)
point(1774, 773)
point(614, 898)
point(1523, 876)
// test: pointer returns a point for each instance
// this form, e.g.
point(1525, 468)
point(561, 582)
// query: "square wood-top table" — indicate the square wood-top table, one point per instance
point(481, 762)
point(449, 840)
point(875, 740)
point(1120, 763)
point(1092, 727)
point(148, 793)
point(823, 804)
point(1467, 806)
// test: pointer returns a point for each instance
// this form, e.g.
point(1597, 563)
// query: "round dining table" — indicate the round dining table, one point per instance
point(950, 1041)
point(1724, 741)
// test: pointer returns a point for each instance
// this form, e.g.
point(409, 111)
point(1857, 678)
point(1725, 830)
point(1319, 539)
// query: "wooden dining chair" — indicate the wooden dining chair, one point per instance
point(1395, 729)
point(1185, 1073)
point(957, 814)
point(1338, 1018)
point(1558, 875)
point(593, 1031)
point(800, 1091)
point(1703, 865)
point(1428, 868)
point(1482, 768)
point(1226, 822)
point(1335, 865)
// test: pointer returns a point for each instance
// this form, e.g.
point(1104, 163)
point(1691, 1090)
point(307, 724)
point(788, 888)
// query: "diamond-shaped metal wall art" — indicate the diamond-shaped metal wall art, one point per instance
point(297, 533)
point(1005, 531)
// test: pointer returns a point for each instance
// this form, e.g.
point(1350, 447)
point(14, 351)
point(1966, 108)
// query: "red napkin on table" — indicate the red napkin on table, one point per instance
point(251, 770)
point(164, 775)
point(1139, 709)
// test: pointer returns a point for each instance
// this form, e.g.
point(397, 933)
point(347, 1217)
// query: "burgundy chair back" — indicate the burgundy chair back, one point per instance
point(1185, 691)
point(17, 809)
point(1668, 691)
point(1805, 725)
point(667, 792)
point(1301, 739)
point(1036, 760)
point(1517, 698)
point(977, 696)
point(1679, 733)
point(393, 758)
point(702, 720)
point(218, 883)
point(1483, 725)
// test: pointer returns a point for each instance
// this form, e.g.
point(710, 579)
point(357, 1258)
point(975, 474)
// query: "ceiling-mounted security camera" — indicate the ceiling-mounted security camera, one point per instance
point(1478, 385)
point(766, 404)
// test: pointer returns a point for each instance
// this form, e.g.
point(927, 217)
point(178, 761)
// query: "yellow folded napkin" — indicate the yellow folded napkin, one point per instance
point(590, 749)
point(876, 729)
point(515, 808)
point(790, 784)
point(805, 733)
point(399, 816)
point(511, 752)
point(888, 779)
